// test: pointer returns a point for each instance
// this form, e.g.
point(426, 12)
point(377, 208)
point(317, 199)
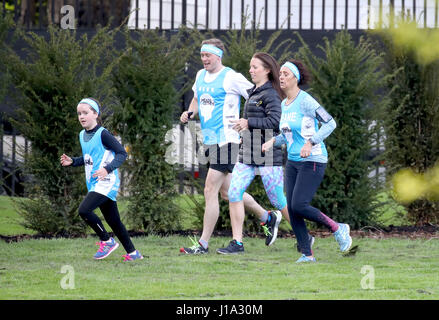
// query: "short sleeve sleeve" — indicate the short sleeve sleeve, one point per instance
point(236, 83)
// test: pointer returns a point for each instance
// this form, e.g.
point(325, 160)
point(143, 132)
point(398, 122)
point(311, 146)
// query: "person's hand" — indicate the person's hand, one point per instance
point(100, 174)
point(268, 145)
point(240, 124)
point(306, 150)
point(66, 160)
point(185, 116)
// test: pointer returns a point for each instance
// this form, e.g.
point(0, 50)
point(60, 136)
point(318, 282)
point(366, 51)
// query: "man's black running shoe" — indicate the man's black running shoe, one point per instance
point(232, 248)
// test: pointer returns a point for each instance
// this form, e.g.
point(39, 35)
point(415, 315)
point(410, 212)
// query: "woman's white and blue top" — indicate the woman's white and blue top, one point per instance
point(298, 124)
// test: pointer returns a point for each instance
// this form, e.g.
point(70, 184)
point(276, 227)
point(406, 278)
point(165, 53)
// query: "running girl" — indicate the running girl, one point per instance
point(102, 154)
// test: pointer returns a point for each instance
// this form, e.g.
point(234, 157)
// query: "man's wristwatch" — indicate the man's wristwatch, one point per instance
point(312, 142)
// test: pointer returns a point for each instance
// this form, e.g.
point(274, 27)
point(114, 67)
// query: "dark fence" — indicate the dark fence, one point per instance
point(224, 14)
point(13, 150)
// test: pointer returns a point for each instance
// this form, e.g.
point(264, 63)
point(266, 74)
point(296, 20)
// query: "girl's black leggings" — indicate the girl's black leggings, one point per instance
point(108, 207)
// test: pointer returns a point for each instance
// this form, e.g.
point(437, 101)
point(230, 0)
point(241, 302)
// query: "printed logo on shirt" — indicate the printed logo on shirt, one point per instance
point(286, 130)
point(207, 104)
point(207, 89)
point(290, 116)
point(308, 122)
point(307, 127)
point(88, 163)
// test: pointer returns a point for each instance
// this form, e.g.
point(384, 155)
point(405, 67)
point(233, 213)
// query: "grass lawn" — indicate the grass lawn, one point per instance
point(10, 220)
point(401, 269)
point(394, 268)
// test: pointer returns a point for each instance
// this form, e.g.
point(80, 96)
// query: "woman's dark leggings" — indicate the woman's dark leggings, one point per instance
point(109, 209)
point(302, 181)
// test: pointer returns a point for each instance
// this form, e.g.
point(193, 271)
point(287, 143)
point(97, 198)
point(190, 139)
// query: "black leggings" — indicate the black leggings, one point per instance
point(302, 181)
point(109, 209)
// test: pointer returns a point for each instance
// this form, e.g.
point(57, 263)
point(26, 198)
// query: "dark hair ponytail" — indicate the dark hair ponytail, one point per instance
point(305, 76)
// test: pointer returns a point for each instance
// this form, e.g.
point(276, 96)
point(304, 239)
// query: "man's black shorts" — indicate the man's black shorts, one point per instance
point(222, 158)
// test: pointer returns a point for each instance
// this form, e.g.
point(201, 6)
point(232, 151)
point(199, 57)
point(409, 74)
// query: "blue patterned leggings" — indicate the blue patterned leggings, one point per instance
point(272, 178)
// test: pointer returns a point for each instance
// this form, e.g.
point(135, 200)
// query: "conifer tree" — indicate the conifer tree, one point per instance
point(411, 120)
point(6, 25)
point(146, 81)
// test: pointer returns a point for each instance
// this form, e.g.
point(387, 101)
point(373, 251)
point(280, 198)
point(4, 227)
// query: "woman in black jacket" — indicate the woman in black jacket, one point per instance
point(262, 113)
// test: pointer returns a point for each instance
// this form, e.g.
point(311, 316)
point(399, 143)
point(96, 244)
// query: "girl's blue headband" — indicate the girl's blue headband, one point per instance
point(293, 69)
point(91, 103)
point(212, 49)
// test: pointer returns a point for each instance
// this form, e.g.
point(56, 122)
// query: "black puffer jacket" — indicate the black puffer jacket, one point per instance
point(263, 111)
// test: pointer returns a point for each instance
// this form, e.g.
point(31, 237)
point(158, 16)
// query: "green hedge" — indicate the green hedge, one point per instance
point(411, 120)
point(145, 81)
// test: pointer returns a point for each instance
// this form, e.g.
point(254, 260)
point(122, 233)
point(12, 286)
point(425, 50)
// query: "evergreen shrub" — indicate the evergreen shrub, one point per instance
point(411, 120)
point(146, 80)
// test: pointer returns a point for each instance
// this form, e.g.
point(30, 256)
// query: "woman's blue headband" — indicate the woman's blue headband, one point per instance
point(91, 103)
point(293, 69)
point(212, 49)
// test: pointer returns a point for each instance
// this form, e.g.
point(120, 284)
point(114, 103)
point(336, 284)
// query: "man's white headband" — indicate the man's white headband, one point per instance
point(212, 49)
point(91, 103)
point(293, 69)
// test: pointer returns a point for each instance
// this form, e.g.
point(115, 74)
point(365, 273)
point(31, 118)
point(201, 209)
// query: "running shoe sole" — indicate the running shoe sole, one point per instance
point(228, 253)
point(183, 250)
